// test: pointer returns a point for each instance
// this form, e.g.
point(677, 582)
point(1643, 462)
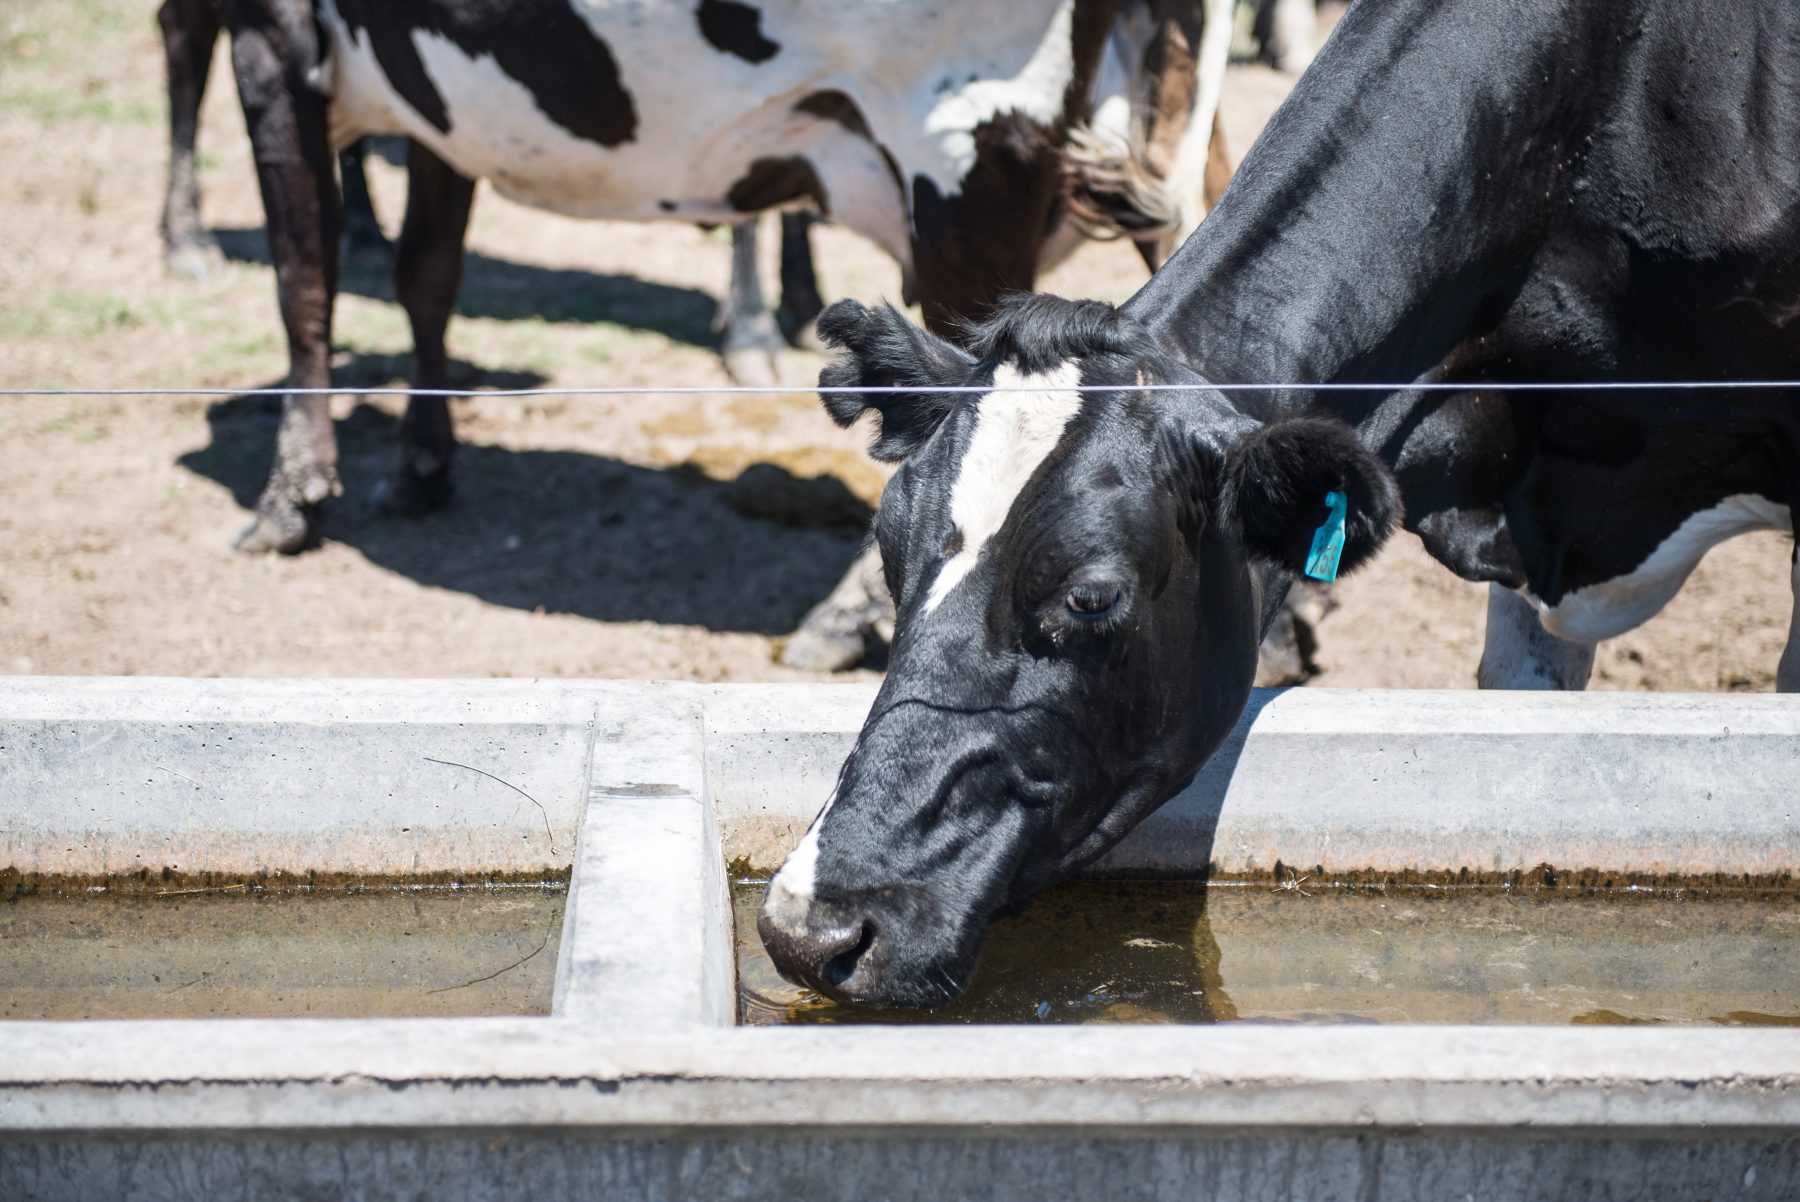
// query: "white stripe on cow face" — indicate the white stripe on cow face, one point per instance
point(791, 891)
point(1014, 433)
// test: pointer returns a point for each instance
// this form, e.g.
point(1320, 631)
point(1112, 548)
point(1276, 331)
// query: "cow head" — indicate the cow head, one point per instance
point(1081, 580)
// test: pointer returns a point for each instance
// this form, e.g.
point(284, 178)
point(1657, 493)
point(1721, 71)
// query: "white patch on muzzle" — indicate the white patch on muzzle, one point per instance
point(791, 892)
point(1014, 433)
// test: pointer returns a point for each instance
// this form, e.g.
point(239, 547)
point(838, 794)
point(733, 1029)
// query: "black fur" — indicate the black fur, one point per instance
point(544, 45)
point(1276, 483)
point(1037, 331)
point(882, 350)
point(736, 28)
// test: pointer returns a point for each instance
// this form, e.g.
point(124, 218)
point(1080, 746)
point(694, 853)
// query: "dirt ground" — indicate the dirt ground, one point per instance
point(591, 536)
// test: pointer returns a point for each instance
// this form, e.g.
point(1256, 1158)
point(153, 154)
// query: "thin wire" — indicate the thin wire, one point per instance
point(903, 389)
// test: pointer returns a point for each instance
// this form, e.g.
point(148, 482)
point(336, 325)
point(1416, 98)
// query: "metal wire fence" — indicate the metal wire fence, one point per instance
point(1613, 386)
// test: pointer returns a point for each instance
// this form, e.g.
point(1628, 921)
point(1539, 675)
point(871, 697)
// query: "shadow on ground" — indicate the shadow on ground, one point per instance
point(565, 531)
point(508, 291)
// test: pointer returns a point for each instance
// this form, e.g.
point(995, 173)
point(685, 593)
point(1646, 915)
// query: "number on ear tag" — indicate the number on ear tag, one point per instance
point(1328, 540)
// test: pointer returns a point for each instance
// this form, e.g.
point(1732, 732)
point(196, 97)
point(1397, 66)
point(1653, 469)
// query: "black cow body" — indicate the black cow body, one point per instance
point(1456, 192)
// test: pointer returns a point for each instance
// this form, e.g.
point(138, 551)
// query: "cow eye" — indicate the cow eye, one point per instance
point(1092, 600)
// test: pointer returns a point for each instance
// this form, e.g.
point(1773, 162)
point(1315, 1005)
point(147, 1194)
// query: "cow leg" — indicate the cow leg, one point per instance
point(362, 230)
point(427, 274)
point(835, 633)
point(800, 300)
point(1287, 654)
point(1287, 31)
point(1787, 674)
point(273, 48)
point(190, 29)
point(751, 338)
point(1521, 654)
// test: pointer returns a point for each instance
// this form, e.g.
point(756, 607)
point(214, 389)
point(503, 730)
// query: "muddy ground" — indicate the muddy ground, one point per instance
point(591, 536)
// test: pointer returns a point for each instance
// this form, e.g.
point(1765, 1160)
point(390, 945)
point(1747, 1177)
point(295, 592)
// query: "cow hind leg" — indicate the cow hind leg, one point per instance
point(801, 303)
point(1286, 30)
point(427, 275)
point(750, 338)
point(1521, 654)
point(1787, 674)
point(835, 633)
point(362, 230)
point(190, 29)
point(273, 48)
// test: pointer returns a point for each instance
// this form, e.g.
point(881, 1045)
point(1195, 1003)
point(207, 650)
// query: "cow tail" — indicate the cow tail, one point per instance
point(1156, 182)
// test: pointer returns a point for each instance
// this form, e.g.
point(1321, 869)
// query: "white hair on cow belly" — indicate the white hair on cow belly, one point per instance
point(1036, 91)
point(1611, 607)
point(1015, 431)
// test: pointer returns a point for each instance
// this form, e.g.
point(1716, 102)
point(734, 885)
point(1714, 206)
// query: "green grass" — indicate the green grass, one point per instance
point(43, 43)
point(79, 315)
point(54, 107)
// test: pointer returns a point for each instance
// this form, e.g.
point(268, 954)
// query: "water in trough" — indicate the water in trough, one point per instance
point(231, 953)
point(1114, 952)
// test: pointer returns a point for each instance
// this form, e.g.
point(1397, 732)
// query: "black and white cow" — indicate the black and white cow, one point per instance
point(750, 332)
point(936, 129)
point(1457, 191)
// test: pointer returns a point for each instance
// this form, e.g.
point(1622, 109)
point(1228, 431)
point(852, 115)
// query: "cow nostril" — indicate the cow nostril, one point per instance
point(842, 967)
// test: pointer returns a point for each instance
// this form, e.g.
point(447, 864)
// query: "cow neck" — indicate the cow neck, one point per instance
point(1366, 230)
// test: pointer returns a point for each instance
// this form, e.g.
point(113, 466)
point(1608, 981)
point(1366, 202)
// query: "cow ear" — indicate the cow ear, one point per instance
point(1279, 485)
point(880, 348)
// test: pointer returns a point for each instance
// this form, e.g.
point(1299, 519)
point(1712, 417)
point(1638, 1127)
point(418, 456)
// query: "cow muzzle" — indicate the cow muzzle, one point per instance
point(822, 946)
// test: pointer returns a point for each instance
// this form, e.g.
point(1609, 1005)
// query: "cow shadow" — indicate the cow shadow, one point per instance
point(559, 531)
point(509, 291)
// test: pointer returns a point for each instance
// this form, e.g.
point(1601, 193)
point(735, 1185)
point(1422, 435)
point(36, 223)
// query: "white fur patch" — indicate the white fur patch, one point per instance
point(791, 891)
point(1035, 91)
point(1602, 611)
point(1014, 433)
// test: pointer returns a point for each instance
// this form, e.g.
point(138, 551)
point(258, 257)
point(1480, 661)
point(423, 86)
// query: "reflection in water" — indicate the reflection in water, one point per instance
point(1092, 952)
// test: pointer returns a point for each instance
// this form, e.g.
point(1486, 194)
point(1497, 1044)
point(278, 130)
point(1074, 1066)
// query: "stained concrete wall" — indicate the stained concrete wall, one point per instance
point(633, 1088)
point(1649, 784)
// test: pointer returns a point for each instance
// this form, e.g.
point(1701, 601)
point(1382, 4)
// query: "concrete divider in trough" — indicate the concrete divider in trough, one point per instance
point(647, 941)
point(1391, 781)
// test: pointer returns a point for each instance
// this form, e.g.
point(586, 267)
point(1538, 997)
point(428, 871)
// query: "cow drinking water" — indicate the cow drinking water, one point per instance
point(1456, 192)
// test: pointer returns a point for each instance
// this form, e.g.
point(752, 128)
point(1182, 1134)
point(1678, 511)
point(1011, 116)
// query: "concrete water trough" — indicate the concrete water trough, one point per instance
point(648, 799)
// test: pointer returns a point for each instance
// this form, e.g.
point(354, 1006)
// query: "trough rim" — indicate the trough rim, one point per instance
point(295, 1074)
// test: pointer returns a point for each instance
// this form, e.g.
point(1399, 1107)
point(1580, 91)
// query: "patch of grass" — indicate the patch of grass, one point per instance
point(79, 315)
point(52, 107)
point(77, 420)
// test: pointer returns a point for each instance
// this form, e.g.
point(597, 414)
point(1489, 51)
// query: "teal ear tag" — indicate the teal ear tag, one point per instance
point(1328, 540)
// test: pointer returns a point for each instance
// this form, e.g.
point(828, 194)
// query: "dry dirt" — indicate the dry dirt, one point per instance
point(591, 537)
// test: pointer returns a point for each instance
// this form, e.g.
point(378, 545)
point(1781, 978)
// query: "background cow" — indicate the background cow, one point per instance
point(1456, 192)
point(750, 333)
point(937, 135)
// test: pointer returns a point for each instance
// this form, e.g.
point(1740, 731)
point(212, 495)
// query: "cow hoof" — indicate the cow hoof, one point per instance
point(806, 338)
point(286, 532)
point(1279, 662)
point(409, 494)
point(823, 650)
point(751, 367)
point(193, 260)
